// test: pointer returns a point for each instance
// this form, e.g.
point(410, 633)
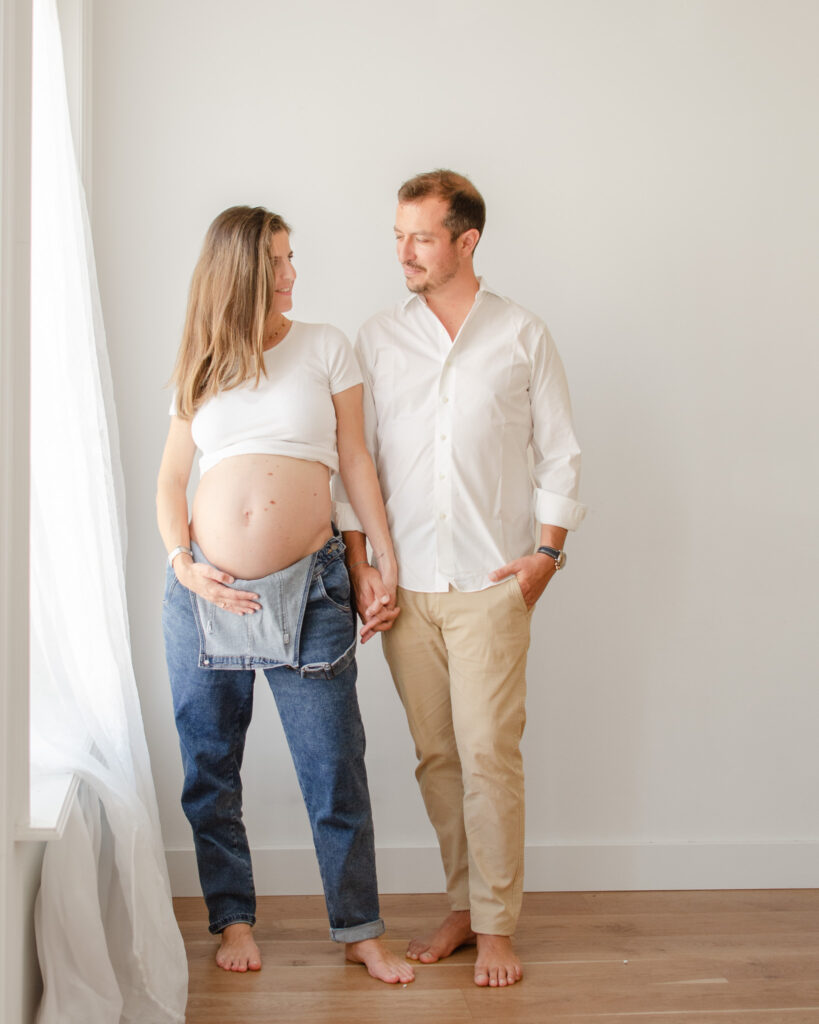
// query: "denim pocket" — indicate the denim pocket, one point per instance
point(170, 584)
point(328, 637)
point(334, 583)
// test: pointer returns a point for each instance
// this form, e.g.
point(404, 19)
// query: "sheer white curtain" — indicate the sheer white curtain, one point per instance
point(108, 942)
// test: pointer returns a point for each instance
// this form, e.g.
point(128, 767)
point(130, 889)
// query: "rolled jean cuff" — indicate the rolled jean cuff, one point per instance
point(359, 932)
point(223, 922)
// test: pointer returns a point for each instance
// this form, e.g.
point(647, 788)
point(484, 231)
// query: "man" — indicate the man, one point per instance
point(462, 382)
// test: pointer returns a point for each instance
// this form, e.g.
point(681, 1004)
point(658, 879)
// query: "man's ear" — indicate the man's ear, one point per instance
point(468, 240)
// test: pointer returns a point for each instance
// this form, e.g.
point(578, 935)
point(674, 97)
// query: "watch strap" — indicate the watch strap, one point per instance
point(558, 556)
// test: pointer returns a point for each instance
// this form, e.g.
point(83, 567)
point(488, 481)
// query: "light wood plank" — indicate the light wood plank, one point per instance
point(743, 957)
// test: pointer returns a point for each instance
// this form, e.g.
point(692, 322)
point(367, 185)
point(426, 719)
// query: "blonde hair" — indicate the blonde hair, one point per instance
point(230, 298)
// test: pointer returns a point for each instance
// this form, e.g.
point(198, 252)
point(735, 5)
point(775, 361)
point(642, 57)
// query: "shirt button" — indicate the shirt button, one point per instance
point(443, 515)
point(442, 476)
point(443, 437)
point(445, 399)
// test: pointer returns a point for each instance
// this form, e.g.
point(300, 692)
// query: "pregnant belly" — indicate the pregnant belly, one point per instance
point(256, 514)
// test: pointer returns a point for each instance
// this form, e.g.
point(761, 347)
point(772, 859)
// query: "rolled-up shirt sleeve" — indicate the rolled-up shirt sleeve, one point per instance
point(556, 451)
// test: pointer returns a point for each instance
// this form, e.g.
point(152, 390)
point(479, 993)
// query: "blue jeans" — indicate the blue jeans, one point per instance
point(318, 705)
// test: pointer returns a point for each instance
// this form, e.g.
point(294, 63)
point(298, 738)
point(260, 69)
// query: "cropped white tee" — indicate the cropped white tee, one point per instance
point(291, 410)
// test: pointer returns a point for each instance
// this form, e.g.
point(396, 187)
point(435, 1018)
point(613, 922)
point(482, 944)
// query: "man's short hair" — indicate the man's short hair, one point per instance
point(466, 206)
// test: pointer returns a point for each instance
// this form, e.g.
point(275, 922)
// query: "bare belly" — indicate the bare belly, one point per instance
point(256, 514)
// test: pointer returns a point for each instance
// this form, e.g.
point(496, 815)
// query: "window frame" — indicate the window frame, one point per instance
point(33, 808)
point(15, 235)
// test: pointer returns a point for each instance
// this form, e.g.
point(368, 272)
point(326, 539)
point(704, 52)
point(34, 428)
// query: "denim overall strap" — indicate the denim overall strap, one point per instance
point(267, 638)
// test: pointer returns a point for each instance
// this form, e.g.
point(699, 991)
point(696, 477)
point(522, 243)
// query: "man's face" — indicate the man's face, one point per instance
point(425, 250)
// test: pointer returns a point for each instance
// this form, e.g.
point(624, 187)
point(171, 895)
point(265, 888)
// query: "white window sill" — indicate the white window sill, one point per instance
point(50, 799)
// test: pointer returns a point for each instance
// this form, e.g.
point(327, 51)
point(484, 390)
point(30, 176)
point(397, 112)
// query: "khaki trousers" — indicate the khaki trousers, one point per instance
point(459, 665)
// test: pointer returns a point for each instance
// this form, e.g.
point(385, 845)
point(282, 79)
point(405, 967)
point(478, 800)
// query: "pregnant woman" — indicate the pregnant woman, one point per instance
point(256, 578)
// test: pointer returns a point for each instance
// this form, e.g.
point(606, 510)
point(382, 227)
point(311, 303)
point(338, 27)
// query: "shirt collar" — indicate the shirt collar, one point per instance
point(482, 287)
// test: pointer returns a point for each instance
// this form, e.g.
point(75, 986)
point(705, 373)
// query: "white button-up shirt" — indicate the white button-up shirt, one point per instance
point(450, 425)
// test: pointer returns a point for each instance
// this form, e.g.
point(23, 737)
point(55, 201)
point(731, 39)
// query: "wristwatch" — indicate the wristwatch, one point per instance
point(558, 556)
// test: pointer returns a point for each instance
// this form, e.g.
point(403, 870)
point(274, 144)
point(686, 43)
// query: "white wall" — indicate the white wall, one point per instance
point(650, 171)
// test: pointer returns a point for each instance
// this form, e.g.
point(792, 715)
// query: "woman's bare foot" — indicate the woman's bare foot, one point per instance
point(455, 931)
point(238, 951)
point(379, 961)
point(497, 965)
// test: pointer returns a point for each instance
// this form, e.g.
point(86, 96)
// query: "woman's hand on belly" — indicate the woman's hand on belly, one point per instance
point(209, 582)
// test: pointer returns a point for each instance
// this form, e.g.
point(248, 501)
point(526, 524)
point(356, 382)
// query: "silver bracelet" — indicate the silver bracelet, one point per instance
point(180, 550)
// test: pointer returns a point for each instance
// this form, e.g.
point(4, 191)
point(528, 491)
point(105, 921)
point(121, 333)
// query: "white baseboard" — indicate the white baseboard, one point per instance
point(787, 865)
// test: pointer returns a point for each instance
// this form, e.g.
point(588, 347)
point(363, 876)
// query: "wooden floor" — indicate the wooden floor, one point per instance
point(744, 957)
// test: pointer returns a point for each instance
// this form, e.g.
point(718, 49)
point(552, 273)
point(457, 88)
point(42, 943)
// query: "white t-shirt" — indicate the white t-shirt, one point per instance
point(291, 411)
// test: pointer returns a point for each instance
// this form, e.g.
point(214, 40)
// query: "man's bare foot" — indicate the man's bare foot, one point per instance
point(238, 951)
point(455, 931)
point(379, 961)
point(496, 965)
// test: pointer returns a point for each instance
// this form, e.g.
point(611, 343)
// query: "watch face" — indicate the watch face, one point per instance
point(560, 561)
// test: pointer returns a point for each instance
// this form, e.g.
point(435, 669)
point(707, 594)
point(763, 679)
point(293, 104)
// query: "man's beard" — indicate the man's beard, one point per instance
point(445, 275)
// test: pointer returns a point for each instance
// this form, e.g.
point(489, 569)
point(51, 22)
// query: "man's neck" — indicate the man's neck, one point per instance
point(452, 303)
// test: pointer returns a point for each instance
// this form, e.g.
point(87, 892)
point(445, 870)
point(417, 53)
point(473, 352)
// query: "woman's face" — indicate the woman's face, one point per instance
point(285, 272)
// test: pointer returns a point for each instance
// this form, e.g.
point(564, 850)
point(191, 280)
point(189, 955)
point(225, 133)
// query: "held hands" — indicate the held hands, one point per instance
point(209, 582)
point(374, 593)
point(533, 573)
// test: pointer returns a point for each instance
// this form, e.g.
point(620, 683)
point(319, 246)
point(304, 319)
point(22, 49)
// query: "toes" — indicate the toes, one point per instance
point(386, 971)
point(238, 963)
point(381, 963)
point(497, 977)
point(400, 971)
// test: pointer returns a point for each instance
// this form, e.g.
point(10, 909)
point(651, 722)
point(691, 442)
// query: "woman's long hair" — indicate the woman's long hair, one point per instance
point(230, 298)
